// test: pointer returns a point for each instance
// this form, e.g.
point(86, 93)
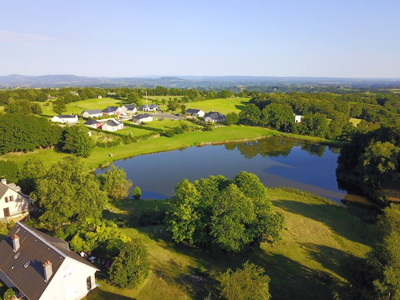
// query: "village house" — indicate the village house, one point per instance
point(112, 125)
point(13, 203)
point(111, 94)
point(196, 113)
point(99, 97)
point(142, 118)
point(113, 110)
point(65, 119)
point(214, 117)
point(297, 118)
point(94, 113)
point(42, 267)
point(130, 109)
point(149, 107)
point(93, 124)
point(74, 93)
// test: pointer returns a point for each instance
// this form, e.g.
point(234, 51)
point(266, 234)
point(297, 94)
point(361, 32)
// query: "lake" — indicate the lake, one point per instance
point(276, 161)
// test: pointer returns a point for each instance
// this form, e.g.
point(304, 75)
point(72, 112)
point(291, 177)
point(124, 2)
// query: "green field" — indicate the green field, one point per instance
point(355, 121)
point(223, 106)
point(101, 156)
point(127, 130)
point(168, 123)
point(303, 265)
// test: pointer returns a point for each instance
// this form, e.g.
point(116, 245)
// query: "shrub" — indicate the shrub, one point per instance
point(131, 266)
point(137, 193)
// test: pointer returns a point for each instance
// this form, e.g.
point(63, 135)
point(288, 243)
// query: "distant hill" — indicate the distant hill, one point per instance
point(204, 82)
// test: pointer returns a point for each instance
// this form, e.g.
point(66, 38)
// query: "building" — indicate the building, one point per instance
point(42, 267)
point(149, 107)
point(130, 109)
point(13, 203)
point(65, 119)
point(112, 125)
point(142, 118)
point(111, 94)
point(110, 111)
point(94, 113)
point(297, 118)
point(99, 97)
point(197, 113)
point(93, 124)
point(74, 93)
point(214, 117)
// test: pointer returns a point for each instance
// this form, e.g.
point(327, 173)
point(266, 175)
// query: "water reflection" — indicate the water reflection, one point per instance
point(276, 161)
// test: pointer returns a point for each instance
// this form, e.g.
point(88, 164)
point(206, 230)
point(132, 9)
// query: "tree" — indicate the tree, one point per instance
point(249, 283)
point(10, 294)
point(131, 266)
point(115, 183)
point(8, 170)
point(279, 116)
point(315, 125)
point(59, 106)
point(137, 193)
point(232, 214)
point(134, 98)
point(68, 193)
point(381, 162)
point(183, 109)
point(232, 118)
point(78, 141)
point(32, 171)
point(182, 218)
point(250, 115)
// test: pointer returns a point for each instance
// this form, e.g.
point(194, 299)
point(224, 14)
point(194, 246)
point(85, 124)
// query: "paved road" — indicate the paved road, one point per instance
point(167, 116)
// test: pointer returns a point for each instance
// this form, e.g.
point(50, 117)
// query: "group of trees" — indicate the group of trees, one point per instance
point(233, 216)
point(371, 159)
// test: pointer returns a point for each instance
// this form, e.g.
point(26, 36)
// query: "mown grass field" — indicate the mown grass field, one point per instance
point(223, 106)
point(355, 121)
point(305, 264)
point(101, 156)
point(168, 123)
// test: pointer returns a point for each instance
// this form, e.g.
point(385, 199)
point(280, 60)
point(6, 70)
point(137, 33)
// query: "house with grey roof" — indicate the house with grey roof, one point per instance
point(93, 124)
point(149, 107)
point(112, 125)
point(65, 119)
point(142, 118)
point(197, 113)
point(110, 111)
point(130, 109)
point(214, 117)
point(42, 267)
point(94, 113)
point(13, 203)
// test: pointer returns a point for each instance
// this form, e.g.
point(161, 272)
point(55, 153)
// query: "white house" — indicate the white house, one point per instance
point(94, 113)
point(130, 109)
point(142, 118)
point(42, 267)
point(149, 107)
point(297, 118)
point(13, 203)
point(65, 119)
point(197, 113)
point(99, 97)
point(93, 123)
point(214, 117)
point(112, 125)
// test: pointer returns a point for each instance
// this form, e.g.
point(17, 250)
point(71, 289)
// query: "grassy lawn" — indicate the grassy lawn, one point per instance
point(168, 123)
point(317, 236)
point(223, 106)
point(133, 131)
point(355, 121)
point(101, 156)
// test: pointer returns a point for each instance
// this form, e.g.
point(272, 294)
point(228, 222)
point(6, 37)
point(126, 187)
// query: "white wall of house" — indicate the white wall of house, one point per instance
point(18, 206)
point(201, 114)
point(210, 120)
point(65, 120)
point(112, 128)
point(69, 282)
point(297, 119)
point(87, 115)
point(146, 120)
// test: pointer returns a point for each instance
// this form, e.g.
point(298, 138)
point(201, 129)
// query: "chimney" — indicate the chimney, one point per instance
point(15, 242)
point(4, 181)
point(48, 270)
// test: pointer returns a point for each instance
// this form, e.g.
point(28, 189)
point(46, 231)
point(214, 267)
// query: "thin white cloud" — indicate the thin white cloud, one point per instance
point(13, 37)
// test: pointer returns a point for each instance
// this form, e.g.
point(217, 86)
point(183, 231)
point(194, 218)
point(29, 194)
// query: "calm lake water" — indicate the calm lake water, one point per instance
point(276, 161)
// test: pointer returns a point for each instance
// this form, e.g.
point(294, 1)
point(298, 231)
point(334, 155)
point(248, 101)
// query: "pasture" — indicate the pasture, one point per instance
point(223, 106)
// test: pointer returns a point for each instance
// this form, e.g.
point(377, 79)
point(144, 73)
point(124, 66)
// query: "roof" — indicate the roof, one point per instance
point(214, 115)
point(192, 111)
point(130, 106)
point(113, 123)
point(141, 116)
point(66, 116)
point(92, 112)
point(5, 187)
point(110, 109)
point(150, 106)
point(35, 248)
point(91, 122)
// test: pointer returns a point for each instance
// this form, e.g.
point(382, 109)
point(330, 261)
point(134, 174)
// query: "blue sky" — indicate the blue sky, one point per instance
point(330, 38)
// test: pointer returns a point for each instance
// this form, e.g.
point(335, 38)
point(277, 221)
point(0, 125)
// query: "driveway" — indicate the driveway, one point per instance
point(167, 116)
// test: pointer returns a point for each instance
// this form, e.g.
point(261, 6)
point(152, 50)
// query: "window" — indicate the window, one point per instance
point(89, 283)
point(6, 212)
point(6, 198)
point(11, 198)
point(68, 273)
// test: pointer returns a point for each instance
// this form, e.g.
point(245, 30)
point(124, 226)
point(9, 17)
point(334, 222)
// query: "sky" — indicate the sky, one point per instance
point(313, 38)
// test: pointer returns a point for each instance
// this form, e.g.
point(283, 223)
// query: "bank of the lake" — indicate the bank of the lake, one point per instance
point(105, 156)
point(305, 264)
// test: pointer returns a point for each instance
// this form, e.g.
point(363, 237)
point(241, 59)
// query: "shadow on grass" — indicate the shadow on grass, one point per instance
point(241, 106)
point(336, 218)
point(98, 294)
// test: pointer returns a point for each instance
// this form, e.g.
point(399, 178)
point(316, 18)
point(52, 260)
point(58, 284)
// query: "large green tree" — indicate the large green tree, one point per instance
point(69, 193)
point(115, 183)
point(32, 171)
point(78, 141)
point(250, 115)
point(279, 116)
